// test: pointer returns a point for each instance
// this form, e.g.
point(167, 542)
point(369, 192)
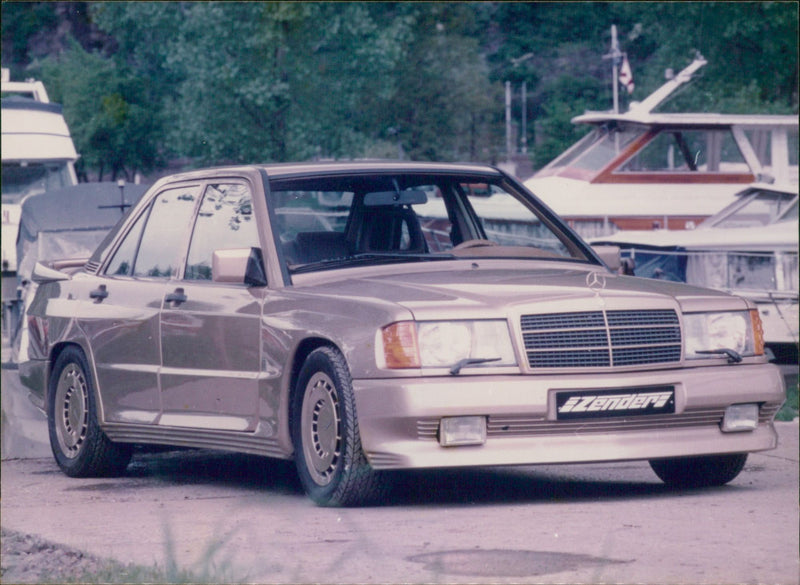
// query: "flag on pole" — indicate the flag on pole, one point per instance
point(626, 75)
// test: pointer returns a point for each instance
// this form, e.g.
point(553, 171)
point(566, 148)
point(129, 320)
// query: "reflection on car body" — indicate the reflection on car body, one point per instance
point(360, 317)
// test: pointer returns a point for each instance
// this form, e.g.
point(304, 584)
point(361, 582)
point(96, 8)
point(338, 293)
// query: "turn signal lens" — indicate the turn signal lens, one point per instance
point(400, 347)
point(758, 332)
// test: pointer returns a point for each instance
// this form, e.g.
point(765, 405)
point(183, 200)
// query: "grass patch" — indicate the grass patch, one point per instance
point(789, 410)
point(117, 573)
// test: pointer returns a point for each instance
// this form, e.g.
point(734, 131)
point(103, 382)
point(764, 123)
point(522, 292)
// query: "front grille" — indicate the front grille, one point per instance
point(601, 338)
point(767, 412)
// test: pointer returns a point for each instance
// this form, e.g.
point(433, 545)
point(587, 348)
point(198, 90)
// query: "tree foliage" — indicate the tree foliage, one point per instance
point(237, 82)
point(111, 123)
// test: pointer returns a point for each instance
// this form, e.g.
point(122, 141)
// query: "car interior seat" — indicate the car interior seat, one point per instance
point(391, 228)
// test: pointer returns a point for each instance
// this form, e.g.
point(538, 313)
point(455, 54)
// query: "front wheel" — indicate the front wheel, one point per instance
point(79, 446)
point(330, 462)
point(694, 472)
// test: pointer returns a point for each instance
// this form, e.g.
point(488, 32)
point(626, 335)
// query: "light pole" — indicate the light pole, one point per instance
point(525, 117)
point(508, 120)
point(616, 56)
point(509, 147)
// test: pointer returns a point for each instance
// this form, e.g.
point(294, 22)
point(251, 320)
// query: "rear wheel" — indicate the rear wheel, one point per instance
point(330, 462)
point(706, 471)
point(80, 448)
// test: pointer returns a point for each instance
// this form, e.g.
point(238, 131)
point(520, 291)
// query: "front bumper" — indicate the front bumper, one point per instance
point(399, 417)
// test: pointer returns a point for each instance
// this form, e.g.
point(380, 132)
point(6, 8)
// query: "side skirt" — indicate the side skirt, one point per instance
point(251, 443)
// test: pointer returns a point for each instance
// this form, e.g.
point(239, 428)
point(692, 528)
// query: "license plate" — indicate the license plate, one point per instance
point(608, 403)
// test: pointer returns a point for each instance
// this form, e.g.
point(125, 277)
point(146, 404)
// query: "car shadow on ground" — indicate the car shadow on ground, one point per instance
point(200, 466)
point(474, 486)
point(508, 485)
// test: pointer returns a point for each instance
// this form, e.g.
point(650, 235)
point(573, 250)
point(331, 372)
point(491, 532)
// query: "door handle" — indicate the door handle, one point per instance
point(176, 297)
point(99, 294)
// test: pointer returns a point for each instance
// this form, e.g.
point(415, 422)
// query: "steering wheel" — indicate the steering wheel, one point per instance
point(475, 244)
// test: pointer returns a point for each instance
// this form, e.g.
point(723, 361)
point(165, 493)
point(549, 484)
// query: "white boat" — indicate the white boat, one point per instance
point(60, 225)
point(645, 170)
point(38, 155)
point(749, 248)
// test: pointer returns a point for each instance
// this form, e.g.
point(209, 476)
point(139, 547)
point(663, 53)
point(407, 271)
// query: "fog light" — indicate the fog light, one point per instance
point(740, 417)
point(462, 430)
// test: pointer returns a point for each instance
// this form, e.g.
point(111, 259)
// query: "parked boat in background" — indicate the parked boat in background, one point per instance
point(38, 155)
point(749, 248)
point(644, 170)
point(61, 225)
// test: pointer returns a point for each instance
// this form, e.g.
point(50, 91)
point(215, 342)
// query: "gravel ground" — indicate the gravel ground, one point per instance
point(27, 559)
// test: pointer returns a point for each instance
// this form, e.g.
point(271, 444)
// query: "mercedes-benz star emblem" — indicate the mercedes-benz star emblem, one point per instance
point(596, 280)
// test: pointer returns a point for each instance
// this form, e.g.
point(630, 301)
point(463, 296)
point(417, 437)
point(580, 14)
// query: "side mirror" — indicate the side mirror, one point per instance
point(609, 255)
point(239, 265)
point(42, 274)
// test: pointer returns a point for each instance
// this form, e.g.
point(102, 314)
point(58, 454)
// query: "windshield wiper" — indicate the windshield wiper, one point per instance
point(368, 257)
point(456, 369)
point(733, 356)
point(403, 256)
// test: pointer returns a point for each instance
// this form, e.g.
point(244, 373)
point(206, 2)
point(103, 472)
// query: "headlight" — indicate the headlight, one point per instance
point(739, 331)
point(445, 344)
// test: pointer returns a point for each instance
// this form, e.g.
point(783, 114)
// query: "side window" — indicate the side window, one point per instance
point(164, 235)
point(225, 221)
point(122, 262)
point(508, 222)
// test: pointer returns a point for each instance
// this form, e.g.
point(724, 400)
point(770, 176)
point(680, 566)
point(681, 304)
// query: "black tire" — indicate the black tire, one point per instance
point(80, 448)
point(695, 472)
point(330, 462)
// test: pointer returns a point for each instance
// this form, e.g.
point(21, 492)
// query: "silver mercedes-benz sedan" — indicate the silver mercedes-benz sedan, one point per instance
point(366, 316)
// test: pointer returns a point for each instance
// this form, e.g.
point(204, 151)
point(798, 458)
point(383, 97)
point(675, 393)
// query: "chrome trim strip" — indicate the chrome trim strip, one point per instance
point(253, 442)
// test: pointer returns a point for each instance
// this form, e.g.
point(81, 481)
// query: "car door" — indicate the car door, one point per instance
point(122, 305)
point(209, 330)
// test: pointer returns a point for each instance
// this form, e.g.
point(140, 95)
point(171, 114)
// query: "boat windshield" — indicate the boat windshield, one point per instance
point(670, 150)
point(21, 180)
point(681, 150)
point(594, 152)
point(330, 222)
point(759, 209)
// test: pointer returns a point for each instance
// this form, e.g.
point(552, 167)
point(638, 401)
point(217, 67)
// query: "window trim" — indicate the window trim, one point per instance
point(123, 233)
point(205, 184)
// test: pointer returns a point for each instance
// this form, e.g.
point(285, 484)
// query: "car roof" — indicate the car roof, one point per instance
point(295, 169)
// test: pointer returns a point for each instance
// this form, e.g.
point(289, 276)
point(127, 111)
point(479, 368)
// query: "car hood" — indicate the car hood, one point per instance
point(486, 291)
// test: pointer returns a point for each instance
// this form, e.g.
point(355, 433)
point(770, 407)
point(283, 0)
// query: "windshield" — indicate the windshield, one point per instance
point(676, 150)
point(21, 180)
point(333, 221)
point(594, 152)
point(763, 208)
